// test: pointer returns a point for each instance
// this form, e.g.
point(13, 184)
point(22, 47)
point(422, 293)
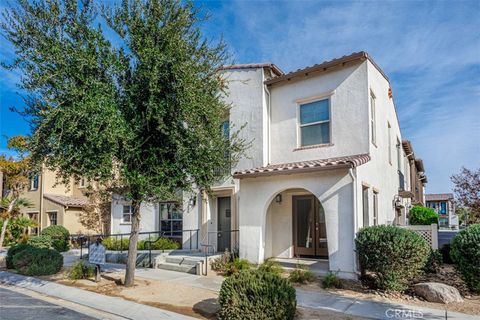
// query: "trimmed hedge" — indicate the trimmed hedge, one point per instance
point(422, 216)
point(394, 255)
point(465, 253)
point(256, 294)
point(42, 242)
point(117, 244)
point(38, 261)
point(13, 251)
point(59, 235)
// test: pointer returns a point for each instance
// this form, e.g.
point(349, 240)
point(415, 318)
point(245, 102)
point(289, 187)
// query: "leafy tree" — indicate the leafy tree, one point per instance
point(16, 178)
point(419, 215)
point(467, 192)
point(142, 117)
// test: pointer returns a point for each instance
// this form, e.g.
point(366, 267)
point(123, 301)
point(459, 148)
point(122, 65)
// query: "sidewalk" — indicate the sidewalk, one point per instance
point(116, 306)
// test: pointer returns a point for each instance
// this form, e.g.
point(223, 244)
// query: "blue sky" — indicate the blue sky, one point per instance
point(430, 51)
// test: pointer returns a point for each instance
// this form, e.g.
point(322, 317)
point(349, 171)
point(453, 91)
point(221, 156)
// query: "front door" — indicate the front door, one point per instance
point(224, 214)
point(309, 228)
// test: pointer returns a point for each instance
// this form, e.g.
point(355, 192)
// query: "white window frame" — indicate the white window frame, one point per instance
point(300, 102)
point(375, 207)
point(365, 206)
point(82, 183)
point(389, 128)
point(122, 220)
point(373, 118)
point(32, 182)
point(49, 213)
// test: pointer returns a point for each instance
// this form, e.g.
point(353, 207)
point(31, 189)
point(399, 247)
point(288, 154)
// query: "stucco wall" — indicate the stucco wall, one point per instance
point(148, 212)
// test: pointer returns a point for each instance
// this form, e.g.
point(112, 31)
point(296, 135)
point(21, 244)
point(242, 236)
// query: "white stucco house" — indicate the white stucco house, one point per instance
point(326, 160)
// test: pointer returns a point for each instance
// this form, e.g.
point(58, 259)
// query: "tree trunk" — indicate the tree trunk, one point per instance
point(5, 223)
point(132, 247)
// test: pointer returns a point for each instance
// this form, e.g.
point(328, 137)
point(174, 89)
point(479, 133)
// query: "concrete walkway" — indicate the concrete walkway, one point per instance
point(372, 309)
point(113, 305)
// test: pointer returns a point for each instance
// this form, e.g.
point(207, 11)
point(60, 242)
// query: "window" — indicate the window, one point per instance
point(53, 218)
point(171, 219)
point(226, 129)
point(127, 214)
point(375, 208)
point(34, 182)
point(365, 206)
point(315, 123)
point(443, 208)
point(373, 118)
point(399, 156)
point(389, 143)
point(82, 182)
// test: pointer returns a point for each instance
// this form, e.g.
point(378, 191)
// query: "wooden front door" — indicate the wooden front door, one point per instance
point(309, 228)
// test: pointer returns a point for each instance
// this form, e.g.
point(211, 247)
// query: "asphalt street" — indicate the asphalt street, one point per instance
point(15, 306)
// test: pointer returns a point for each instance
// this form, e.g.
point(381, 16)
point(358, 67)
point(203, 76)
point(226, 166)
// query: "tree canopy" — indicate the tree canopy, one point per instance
point(467, 192)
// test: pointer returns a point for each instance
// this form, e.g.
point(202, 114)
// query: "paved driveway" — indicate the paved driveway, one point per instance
point(15, 306)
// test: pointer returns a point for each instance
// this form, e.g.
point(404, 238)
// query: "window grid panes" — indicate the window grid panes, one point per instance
point(53, 218)
point(171, 219)
point(315, 123)
point(127, 214)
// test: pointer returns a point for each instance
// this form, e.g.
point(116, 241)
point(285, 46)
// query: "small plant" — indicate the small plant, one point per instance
point(81, 270)
point(271, 266)
point(331, 280)
point(301, 275)
point(237, 265)
point(116, 244)
point(222, 263)
point(38, 261)
point(160, 243)
point(12, 251)
point(434, 262)
point(254, 294)
point(466, 255)
point(42, 242)
point(422, 216)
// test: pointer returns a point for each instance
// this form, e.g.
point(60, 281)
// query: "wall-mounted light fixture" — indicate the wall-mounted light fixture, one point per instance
point(193, 201)
point(278, 198)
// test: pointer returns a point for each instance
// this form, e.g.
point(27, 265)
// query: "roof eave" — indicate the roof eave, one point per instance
point(295, 171)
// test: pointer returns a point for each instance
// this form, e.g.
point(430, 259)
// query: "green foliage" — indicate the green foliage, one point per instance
point(465, 254)
point(81, 270)
point(116, 244)
point(301, 275)
point(238, 265)
point(43, 241)
point(394, 255)
point(256, 294)
point(16, 231)
point(271, 266)
point(422, 216)
point(222, 263)
point(13, 251)
point(331, 280)
point(434, 262)
point(161, 243)
point(38, 261)
point(445, 251)
point(59, 235)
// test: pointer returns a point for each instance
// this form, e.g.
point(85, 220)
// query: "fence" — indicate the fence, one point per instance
point(428, 232)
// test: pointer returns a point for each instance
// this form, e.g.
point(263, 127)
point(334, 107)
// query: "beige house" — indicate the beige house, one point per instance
point(59, 204)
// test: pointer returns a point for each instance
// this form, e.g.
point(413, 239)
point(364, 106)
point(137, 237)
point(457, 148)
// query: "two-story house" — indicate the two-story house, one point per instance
point(326, 160)
point(444, 206)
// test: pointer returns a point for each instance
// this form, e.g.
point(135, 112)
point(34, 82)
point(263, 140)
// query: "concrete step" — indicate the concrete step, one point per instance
point(182, 260)
point(185, 268)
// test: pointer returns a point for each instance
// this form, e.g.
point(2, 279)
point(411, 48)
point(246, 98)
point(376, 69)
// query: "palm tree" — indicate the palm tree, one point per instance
point(9, 209)
point(23, 223)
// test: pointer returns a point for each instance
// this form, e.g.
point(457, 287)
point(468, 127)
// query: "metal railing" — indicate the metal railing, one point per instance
point(233, 245)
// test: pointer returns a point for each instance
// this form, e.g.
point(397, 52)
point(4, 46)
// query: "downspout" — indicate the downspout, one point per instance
point(353, 174)
point(268, 122)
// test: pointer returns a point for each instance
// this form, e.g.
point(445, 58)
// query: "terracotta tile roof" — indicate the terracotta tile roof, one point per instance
point(274, 68)
point(66, 201)
point(438, 197)
point(305, 166)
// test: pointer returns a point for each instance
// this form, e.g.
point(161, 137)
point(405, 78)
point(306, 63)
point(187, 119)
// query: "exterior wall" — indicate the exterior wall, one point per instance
point(335, 193)
point(348, 115)
point(72, 221)
point(48, 207)
point(149, 217)
point(50, 185)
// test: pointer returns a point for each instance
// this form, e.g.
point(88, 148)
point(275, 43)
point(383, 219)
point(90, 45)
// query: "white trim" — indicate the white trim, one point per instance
point(314, 98)
point(299, 103)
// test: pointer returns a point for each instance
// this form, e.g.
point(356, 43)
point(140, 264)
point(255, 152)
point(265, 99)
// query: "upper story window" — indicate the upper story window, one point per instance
point(373, 118)
point(389, 142)
point(127, 214)
point(82, 183)
point(315, 123)
point(34, 182)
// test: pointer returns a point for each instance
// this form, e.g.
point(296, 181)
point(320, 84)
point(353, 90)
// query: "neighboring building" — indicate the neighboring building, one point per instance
point(57, 204)
point(444, 205)
point(326, 160)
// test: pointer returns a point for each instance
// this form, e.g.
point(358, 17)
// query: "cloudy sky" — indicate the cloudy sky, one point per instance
point(430, 50)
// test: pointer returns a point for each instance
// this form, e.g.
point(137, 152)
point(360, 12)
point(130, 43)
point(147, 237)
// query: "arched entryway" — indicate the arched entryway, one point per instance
point(295, 226)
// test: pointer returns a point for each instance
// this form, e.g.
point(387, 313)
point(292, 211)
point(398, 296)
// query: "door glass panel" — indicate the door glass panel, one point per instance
point(304, 223)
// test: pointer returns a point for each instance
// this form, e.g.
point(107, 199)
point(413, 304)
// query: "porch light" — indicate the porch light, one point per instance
point(278, 198)
point(193, 201)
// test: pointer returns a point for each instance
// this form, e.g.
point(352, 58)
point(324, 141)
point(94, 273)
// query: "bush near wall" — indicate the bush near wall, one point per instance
point(38, 261)
point(255, 294)
point(116, 244)
point(42, 242)
point(13, 251)
point(59, 235)
point(422, 216)
point(465, 253)
point(394, 255)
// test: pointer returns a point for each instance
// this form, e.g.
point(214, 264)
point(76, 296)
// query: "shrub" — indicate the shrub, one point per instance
point(434, 262)
point(331, 280)
point(13, 251)
point(466, 255)
point(237, 265)
point(222, 263)
point(59, 235)
point(116, 244)
point(271, 266)
point(81, 270)
point(42, 242)
point(301, 275)
point(38, 261)
point(394, 255)
point(161, 243)
point(256, 295)
point(422, 216)
point(445, 251)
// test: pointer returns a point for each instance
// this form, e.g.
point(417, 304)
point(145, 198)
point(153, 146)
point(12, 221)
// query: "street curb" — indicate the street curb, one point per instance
point(117, 306)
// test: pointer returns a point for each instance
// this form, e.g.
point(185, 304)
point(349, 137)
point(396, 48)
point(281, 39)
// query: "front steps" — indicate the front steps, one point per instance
point(180, 263)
